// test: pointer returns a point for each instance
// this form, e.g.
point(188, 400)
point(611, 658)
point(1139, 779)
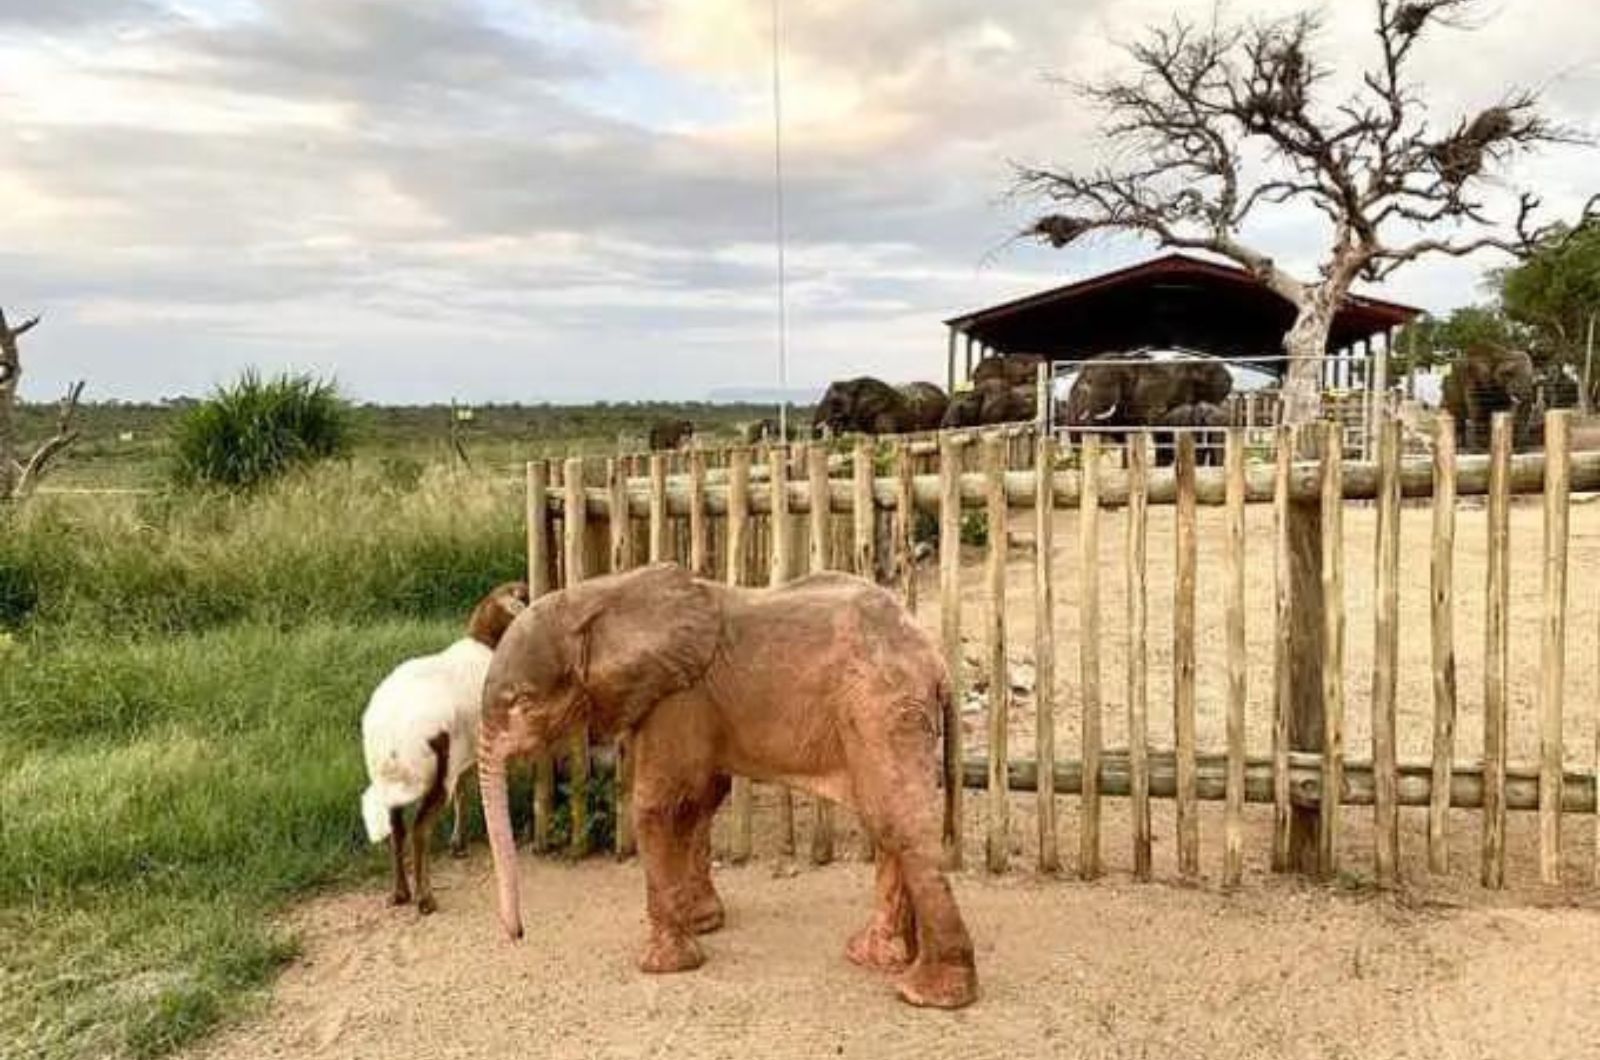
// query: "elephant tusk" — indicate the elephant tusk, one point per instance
point(1106, 415)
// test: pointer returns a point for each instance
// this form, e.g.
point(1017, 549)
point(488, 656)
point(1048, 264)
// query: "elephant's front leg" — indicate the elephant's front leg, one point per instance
point(704, 913)
point(666, 845)
point(888, 942)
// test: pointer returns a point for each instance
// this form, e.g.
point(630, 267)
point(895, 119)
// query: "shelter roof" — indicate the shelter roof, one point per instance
point(1174, 301)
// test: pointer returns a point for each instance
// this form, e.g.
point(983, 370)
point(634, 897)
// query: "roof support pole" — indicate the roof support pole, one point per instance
point(950, 363)
point(968, 376)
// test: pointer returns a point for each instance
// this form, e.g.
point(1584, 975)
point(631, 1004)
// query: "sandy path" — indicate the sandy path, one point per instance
point(1111, 969)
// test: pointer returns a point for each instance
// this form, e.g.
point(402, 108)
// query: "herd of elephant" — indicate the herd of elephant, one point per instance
point(1124, 392)
point(1120, 393)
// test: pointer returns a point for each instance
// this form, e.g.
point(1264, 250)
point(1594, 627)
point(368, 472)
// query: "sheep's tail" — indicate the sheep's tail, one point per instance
point(375, 812)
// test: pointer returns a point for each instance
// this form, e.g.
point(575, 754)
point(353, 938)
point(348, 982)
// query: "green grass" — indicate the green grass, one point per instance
point(128, 446)
point(345, 543)
point(181, 682)
point(160, 797)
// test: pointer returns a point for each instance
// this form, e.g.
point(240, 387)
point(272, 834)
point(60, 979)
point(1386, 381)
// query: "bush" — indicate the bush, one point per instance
point(257, 430)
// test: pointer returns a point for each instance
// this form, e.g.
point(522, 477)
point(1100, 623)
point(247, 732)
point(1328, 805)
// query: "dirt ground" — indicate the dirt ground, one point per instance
point(1110, 969)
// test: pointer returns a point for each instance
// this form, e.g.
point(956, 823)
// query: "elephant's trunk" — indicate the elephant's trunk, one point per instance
point(502, 844)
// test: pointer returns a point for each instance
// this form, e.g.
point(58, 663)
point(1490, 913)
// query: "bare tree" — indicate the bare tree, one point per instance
point(19, 477)
point(1221, 121)
point(1217, 123)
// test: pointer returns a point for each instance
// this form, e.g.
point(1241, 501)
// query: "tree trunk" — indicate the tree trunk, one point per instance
point(10, 376)
point(1306, 344)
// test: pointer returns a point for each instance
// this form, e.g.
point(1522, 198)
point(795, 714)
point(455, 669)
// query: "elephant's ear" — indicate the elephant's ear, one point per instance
point(641, 637)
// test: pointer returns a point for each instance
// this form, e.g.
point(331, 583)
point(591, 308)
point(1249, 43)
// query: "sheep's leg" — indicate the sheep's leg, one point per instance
point(397, 848)
point(458, 837)
point(427, 817)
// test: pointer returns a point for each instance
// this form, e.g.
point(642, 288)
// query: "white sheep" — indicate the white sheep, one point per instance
point(420, 733)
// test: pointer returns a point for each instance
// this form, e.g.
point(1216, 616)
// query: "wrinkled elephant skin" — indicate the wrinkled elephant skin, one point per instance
point(825, 684)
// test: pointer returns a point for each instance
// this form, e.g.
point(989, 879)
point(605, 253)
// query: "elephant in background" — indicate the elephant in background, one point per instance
point(870, 406)
point(670, 434)
point(1208, 443)
point(1012, 370)
point(1135, 391)
point(826, 683)
point(765, 430)
point(1485, 380)
point(992, 402)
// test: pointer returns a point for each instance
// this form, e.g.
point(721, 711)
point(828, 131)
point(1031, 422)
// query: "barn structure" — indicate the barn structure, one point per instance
point(1174, 302)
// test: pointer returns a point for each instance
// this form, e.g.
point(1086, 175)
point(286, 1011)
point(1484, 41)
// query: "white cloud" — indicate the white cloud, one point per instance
point(557, 199)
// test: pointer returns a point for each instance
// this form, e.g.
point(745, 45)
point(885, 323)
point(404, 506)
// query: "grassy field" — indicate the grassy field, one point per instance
point(181, 680)
point(126, 446)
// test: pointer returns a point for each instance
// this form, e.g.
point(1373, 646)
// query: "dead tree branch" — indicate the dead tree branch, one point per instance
point(38, 465)
point(1202, 99)
point(19, 477)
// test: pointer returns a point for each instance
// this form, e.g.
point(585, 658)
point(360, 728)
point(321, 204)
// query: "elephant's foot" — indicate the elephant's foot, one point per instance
point(426, 905)
point(668, 952)
point(930, 985)
point(706, 914)
point(400, 896)
point(879, 949)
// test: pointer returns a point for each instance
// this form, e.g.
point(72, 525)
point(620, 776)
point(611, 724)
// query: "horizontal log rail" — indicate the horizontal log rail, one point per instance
point(1360, 483)
point(1415, 785)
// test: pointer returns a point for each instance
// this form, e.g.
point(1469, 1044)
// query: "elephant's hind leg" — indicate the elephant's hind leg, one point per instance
point(888, 942)
point(897, 798)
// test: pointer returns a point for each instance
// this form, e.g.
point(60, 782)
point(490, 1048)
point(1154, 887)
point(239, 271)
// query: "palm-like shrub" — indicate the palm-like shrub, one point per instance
point(257, 429)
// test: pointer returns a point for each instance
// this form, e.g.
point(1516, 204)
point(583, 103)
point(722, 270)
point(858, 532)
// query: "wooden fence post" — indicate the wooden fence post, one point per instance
point(1386, 652)
point(1044, 649)
point(998, 839)
point(1282, 646)
point(698, 531)
point(1557, 447)
point(574, 519)
point(781, 529)
point(540, 561)
point(738, 548)
point(817, 474)
point(1495, 662)
point(950, 635)
point(1089, 656)
point(1183, 662)
point(621, 527)
point(1444, 651)
point(1238, 663)
point(905, 515)
point(1332, 645)
point(1137, 651)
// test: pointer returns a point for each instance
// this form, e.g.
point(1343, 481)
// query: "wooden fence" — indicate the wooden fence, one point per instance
point(724, 515)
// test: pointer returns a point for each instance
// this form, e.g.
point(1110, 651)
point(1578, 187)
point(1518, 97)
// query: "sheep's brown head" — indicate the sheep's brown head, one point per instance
point(496, 611)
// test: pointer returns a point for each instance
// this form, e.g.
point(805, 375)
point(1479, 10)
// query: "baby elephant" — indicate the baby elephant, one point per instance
point(826, 684)
point(420, 734)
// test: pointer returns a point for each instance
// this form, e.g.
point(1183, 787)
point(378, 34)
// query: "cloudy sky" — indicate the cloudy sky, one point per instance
point(528, 200)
